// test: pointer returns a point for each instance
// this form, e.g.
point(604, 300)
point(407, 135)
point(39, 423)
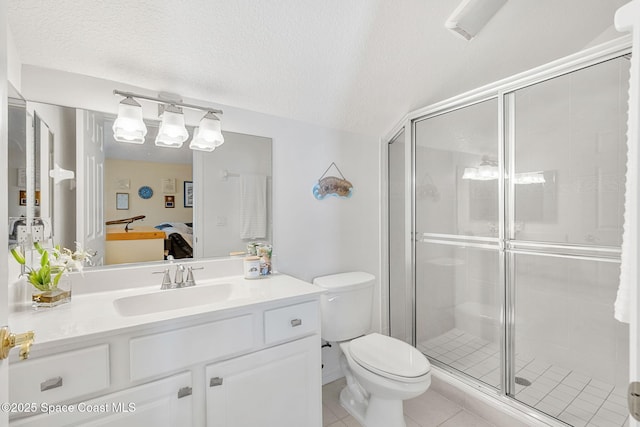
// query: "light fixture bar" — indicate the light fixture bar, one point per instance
point(166, 101)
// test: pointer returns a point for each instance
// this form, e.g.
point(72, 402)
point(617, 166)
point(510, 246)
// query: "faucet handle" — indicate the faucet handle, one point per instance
point(190, 279)
point(166, 279)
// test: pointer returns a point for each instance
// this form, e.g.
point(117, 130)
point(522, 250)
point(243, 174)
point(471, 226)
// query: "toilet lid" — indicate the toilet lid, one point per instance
point(388, 356)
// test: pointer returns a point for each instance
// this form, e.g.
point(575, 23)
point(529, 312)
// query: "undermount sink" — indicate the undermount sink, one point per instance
point(173, 299)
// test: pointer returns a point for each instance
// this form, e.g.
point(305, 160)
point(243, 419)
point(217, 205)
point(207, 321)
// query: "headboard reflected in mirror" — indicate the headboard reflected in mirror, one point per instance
point(91, 180)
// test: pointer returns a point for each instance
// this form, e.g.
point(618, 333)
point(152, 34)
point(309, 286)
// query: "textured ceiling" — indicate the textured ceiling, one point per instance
point(357, 65)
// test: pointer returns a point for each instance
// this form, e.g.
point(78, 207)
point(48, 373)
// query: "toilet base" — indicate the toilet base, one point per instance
point(374, 413)
point(355, 408)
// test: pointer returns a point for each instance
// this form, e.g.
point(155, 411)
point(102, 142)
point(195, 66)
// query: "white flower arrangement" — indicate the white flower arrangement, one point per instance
point(53, 264)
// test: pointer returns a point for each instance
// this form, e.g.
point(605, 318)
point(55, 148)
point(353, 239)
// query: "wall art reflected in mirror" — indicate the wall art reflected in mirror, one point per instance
point(90, 187)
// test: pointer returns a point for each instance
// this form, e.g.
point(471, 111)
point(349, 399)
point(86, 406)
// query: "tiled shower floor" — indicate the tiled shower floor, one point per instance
point(568, 395)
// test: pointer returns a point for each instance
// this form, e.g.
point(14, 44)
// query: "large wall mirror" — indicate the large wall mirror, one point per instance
point(65, 167)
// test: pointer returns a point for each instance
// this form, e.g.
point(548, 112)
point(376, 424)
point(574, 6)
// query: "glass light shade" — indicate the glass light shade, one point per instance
point(487, 172)
point(470, 173)
point(529, 178)
point(129, 126)
point(208, 135)
point(172, 132)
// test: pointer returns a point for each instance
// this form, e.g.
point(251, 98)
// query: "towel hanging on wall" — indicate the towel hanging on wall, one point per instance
point(253, 206)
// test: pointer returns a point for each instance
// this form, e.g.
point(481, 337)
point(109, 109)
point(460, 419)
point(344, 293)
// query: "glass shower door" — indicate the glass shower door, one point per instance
point(458, 257)
point(568, 158)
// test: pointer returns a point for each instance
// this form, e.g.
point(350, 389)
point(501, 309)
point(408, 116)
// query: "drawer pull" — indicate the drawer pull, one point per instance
point(215, 381)
point(184, 392)
point(296, 322)
point(51, 383)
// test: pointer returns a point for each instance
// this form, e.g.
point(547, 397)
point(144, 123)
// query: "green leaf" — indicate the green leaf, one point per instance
point(45, 258)
point(39, 248)
point(17, 255)
point(35, 278)
point(56, 279)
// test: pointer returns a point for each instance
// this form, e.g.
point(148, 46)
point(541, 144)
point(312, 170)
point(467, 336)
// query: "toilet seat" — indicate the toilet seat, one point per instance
point(389, 357)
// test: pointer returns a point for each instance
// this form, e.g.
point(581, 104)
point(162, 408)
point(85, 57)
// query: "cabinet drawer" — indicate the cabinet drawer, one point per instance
point(166, 352)
point(290, 322)
point(60, 377)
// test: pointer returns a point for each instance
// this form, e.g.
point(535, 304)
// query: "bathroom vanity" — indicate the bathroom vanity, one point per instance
point(228, 352)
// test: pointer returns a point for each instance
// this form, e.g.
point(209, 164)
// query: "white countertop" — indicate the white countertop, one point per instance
point(95, 313)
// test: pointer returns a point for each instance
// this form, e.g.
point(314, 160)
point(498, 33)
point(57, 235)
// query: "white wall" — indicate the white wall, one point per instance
point(311, 237)
point(14, 63)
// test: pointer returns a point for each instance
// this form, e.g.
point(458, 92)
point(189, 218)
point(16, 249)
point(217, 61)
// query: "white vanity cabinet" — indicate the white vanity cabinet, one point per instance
point(163, 403)
point(266, 388)
point(252, 364)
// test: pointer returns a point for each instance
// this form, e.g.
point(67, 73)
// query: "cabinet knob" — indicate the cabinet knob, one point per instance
point(215, 381)
point(296, 322)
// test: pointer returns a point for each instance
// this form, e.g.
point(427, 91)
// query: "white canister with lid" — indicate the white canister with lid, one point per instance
point(252, 267)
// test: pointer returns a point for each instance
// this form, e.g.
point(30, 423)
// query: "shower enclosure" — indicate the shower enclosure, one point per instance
point(517, 200)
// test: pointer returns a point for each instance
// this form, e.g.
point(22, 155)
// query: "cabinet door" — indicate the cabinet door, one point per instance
point(164, 403)
point(279, 386)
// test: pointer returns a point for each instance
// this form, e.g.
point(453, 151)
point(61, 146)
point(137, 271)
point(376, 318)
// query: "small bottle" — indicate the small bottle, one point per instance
point(264, 254)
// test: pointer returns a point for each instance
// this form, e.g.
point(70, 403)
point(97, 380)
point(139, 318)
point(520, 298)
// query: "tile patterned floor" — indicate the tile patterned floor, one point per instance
point(562, 393)
point(429, 410)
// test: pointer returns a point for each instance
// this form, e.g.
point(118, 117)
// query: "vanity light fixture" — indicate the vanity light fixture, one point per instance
point(172, 132)
point(129, 126)
point(488, 170)
point(207, 135)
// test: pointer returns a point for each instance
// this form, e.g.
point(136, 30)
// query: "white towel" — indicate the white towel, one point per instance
point(253, 206)
point(626, 20)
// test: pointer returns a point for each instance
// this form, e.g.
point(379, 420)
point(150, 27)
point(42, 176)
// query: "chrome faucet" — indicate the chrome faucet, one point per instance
point(179, 279)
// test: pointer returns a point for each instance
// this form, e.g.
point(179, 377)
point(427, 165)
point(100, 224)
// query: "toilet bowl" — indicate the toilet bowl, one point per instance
point(381, 371)
point(384, 371)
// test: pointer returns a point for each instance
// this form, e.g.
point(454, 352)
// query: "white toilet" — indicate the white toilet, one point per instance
point(380, 371)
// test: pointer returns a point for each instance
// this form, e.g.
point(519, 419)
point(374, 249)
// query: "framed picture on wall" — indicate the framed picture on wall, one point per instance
point(122, 201)
point(188, 194)
point(169, 201)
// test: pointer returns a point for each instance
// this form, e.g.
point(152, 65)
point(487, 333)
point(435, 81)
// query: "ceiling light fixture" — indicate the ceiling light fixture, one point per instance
point(172, 133)
point(208, 135)
point(129, 126)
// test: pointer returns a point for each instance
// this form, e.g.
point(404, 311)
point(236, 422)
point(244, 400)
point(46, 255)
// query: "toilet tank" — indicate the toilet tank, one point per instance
point(346, 306)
